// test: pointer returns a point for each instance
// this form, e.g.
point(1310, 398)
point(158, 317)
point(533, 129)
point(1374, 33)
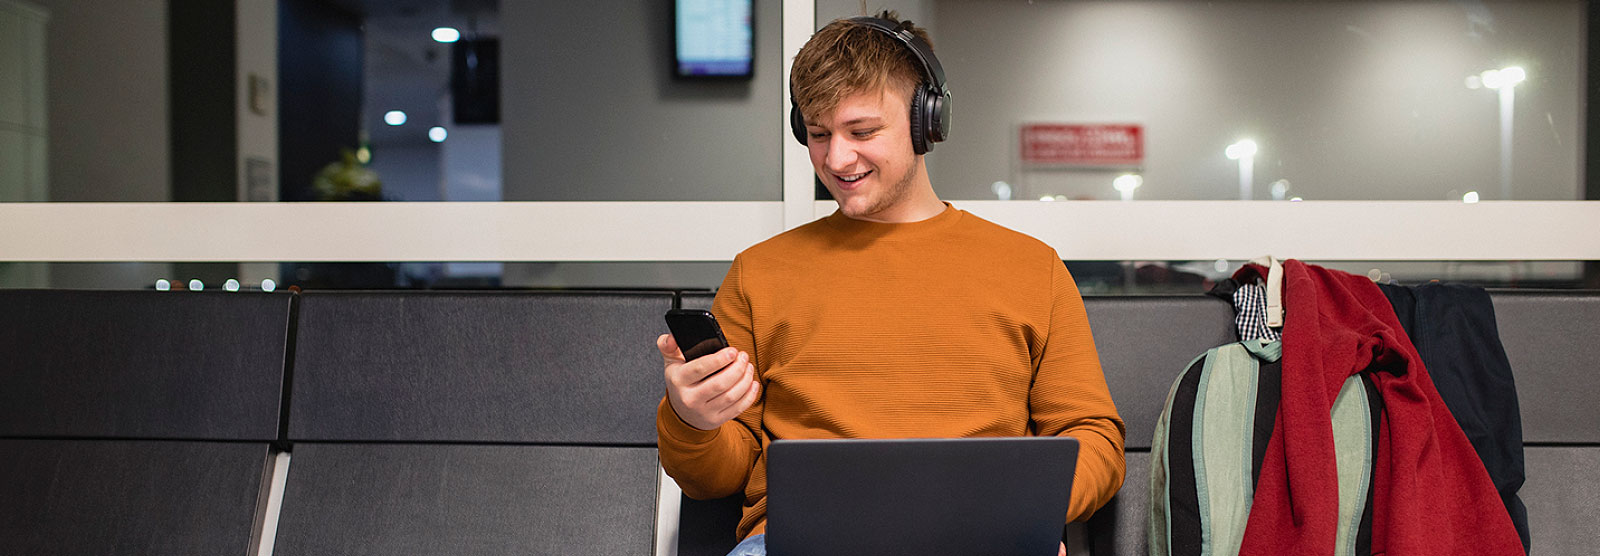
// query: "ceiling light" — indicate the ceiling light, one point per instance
point(446, 34)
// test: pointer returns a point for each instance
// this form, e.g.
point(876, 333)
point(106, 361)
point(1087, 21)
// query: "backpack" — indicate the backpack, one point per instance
point(1206, 456)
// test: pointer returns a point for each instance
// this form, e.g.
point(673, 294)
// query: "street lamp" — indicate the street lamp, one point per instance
point(1244, 152)
point(1505, 81)
point(1126, 184)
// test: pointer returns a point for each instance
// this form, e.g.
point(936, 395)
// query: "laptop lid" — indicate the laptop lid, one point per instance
point(978, 496)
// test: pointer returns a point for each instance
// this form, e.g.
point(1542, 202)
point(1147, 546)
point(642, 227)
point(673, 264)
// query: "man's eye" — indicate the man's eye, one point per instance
point(865, 133)
point(819, 135)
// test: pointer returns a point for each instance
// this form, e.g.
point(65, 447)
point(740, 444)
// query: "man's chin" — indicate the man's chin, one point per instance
point(855, 207)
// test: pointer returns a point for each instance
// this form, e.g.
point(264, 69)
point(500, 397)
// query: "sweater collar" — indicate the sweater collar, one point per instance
point(894, 230)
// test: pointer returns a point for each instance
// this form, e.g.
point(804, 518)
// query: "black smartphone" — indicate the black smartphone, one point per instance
point(696, 332)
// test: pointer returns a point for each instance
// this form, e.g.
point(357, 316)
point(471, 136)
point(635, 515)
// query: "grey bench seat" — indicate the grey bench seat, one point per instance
point(473, 423)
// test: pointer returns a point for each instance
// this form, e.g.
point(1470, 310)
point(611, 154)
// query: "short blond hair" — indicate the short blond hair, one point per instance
point(846, 58)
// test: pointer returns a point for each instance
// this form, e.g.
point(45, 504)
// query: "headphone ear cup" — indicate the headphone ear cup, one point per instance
point(939, 117)
point(797, 124)
point(919, 121)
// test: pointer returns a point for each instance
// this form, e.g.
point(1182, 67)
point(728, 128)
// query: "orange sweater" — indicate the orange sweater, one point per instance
point(948, 327)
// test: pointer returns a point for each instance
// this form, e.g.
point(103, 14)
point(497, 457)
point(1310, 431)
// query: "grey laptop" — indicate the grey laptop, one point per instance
point(979, 496)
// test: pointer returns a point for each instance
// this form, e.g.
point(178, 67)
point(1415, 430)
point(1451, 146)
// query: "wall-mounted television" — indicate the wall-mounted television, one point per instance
point(475, 80)
point(715, 39)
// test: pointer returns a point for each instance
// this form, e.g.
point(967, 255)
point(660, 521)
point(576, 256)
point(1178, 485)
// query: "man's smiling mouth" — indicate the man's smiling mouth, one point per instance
point(852, 178)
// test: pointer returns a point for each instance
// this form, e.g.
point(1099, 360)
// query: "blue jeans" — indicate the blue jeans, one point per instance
point(756, 545)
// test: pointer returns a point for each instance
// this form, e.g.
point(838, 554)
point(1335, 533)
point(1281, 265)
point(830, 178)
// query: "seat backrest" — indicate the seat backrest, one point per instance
point(131, 364)
point(1144, 342)
point(528, 367)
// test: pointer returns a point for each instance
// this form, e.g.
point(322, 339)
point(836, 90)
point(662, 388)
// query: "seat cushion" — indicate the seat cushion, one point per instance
point(381, 499)
point(122, 497)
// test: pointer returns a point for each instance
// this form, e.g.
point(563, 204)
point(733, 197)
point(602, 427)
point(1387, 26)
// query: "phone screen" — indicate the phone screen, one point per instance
point(696, 332)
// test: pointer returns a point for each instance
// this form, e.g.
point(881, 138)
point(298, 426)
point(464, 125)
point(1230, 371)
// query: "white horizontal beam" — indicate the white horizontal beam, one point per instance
point(715, 231)
point(1310, 230)
point(387, 232)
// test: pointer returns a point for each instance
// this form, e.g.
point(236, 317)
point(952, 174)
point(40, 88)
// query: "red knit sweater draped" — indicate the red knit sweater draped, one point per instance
point(1431, 494)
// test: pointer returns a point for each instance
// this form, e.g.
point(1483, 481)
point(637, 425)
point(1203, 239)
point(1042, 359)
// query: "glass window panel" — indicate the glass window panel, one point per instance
point(589, 108)
point(1342, 100)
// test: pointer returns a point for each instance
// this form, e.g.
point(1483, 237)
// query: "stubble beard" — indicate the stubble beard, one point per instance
point(891, 197)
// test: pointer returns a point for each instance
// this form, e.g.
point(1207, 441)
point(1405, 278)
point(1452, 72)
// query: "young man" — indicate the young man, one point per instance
point(897, 316)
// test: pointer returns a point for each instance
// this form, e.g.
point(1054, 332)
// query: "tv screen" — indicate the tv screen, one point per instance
point(714, 38)
point(475, 80)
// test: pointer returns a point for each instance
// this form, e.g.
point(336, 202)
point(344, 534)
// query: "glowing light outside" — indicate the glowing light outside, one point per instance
point(268, 285)
point(1505, 77)
point(1126, 184)
point(1002, 190)
point(446, 34)
point(364, 155)
point(1245, 152)
point(231, 285)
point(394, 117)
point(197, 285)
point(1470, 197)
point(1221, 265)
point(1503, 80)
point(1047, 198)
point(163, 285)
point(1242, 149)
point(437, 134)
point(1280, 189)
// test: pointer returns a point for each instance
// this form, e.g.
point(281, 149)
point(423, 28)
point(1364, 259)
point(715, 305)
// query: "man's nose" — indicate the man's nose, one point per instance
point(841, 153)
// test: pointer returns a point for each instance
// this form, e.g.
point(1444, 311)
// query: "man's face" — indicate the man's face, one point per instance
point(862, 153)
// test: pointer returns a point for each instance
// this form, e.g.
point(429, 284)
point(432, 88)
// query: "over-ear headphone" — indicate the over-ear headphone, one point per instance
point(930, 103)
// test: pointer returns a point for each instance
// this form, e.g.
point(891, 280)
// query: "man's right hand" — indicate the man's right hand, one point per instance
point(711, 390)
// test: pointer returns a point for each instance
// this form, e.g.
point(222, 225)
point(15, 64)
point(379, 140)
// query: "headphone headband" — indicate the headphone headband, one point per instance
point(918, 47)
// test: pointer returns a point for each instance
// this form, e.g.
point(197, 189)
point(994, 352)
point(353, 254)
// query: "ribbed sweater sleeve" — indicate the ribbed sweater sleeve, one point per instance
point(1069, 397)
point(715, 463)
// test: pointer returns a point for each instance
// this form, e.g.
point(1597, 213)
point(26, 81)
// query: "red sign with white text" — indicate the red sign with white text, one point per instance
point(1083, 144)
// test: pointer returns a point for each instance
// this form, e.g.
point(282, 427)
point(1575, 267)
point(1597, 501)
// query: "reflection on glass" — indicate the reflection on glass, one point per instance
point(1346, 100)
point(439, 63)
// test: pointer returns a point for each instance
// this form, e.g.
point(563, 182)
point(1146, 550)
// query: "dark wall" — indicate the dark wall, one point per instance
point(201, 53)
point(1591, 103)
point(319, 91)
